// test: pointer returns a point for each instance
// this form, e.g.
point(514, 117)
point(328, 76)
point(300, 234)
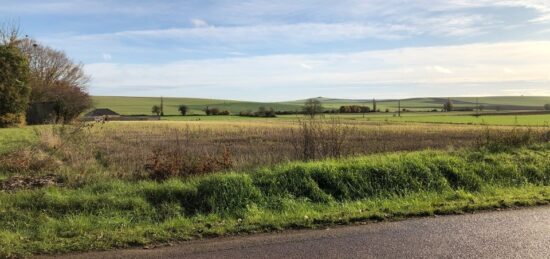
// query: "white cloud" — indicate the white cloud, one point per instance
point(306, 66)
point(199, 23)
point(441, 67)
point(106, 57)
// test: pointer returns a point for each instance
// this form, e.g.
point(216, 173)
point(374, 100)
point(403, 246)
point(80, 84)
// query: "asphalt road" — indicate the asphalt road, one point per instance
point(523, 233)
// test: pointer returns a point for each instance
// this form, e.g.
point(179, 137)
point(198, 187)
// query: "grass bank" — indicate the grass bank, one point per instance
point(117, 214)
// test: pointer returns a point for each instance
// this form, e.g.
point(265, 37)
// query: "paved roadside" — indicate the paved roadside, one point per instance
point(523, 233)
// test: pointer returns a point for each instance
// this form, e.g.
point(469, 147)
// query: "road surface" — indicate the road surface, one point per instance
point(523, 233)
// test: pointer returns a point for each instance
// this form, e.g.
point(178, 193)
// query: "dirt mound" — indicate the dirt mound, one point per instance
point(27, 182)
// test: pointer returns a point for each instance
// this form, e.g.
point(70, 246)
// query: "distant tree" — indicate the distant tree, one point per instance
point(448, 106)
point(155, 110)
point(374, 105)
point(547, 107)
point(14, 87)
point(183, 109)
point(215, 111)
point(312, 107)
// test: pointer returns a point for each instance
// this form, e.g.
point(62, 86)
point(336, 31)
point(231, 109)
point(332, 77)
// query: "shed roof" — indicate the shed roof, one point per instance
point(101, 112)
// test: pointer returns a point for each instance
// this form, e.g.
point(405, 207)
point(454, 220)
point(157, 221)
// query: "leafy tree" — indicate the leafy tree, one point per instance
point(156, 110)
point(547, 107)
point(183, 109)
point(14, 87)
point(448, 106)
point(313, 107)
point(374, 105)
point(55, 78)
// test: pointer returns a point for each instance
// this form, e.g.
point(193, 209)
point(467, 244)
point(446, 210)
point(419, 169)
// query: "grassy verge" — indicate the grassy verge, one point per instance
point(297, 195)
point(16, 137)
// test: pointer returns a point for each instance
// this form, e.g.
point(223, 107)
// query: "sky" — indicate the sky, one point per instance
point(263, 50)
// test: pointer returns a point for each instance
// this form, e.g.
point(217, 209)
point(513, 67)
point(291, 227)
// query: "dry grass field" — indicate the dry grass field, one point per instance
point(100, 186)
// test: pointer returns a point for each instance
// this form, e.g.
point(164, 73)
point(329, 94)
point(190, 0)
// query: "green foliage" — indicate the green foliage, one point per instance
point(112, 214)
point(183, 109)
point(448, 106)
point(355, 109)
point(155, 110)
point(14, 88)
point(231, 193)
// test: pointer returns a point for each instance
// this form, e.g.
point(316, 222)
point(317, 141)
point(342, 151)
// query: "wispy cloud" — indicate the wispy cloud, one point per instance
point(442, 68)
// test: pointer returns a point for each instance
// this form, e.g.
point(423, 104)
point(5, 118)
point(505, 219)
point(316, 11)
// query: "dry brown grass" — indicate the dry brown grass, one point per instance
point(160, 150)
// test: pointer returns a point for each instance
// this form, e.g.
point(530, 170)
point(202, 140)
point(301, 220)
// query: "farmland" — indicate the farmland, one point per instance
point(122, 184)
point(142, 105)
point(103, 185)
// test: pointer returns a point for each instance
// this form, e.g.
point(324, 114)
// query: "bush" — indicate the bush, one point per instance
point(183, 109)
point(215, 111)
point(165, 164)
point(262, 112)
point(354, 109)
point(14, 86)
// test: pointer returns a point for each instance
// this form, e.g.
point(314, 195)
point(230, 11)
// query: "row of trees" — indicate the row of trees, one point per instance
point(37, 75)
point(262, 112)
point(354, 109)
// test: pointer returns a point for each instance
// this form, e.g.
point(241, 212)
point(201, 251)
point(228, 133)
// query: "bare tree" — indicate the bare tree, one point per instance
point(312, 107)
point(55, 78)
point(9, 33)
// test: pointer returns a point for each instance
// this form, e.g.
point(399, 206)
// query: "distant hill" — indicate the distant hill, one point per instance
point(142, 105)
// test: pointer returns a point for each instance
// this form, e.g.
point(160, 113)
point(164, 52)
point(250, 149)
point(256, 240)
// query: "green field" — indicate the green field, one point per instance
point(457, 118)
point(15, 137)
point(142, 105)
point(453, 118)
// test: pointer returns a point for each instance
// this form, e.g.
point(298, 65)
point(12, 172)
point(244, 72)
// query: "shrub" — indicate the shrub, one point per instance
point(15, 89)
point(355, 109)
point(165, 164)
point(215, 111)
point(262, 112)
point(183, 109)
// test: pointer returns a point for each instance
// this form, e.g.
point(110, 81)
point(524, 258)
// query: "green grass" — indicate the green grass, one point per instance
point(510, 120)
point(142, 105)
point(15, 137)
point(409, 117)
point(297, 195)
point(428, 103)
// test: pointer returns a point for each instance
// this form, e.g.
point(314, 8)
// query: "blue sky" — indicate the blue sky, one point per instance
point(282, 50)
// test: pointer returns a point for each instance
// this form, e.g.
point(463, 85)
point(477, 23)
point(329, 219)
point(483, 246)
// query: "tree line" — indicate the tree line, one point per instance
point(34, 75)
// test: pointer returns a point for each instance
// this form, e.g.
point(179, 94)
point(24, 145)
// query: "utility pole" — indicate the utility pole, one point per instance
point(161, 106)
point(477, 106)
point(399, 108)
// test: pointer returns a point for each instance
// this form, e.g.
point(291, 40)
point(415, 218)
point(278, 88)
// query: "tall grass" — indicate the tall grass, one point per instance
point(299, 194)
point(161, 150)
